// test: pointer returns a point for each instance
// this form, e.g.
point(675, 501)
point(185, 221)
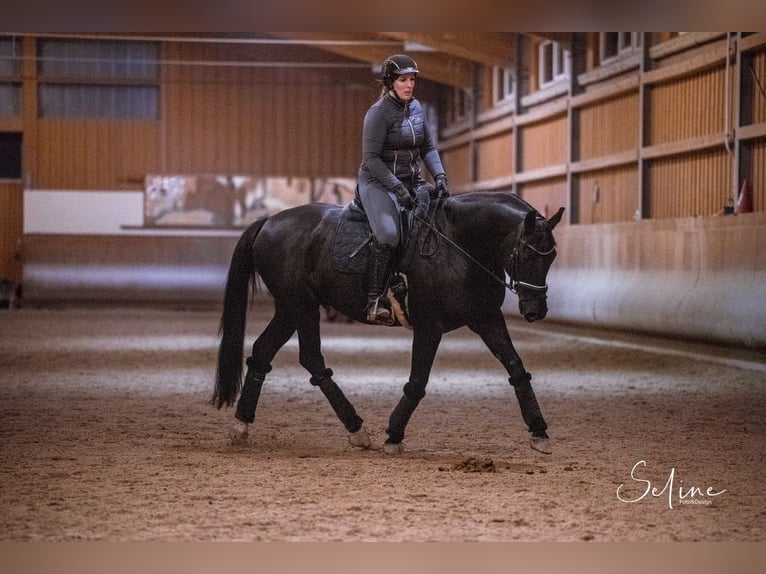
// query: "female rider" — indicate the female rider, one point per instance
point(395, 138)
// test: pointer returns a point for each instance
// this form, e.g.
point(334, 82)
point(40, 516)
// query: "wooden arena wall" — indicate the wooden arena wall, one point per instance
point(223, 109)
point(11, 206)
point(266, 121)
point(644, 153)
point(672, 131)
point(654, 142)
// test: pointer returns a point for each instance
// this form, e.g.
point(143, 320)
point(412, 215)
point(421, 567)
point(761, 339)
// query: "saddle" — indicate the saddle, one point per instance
point(353, 236)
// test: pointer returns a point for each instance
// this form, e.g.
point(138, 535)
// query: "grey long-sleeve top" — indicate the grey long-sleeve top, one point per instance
point(395, 136)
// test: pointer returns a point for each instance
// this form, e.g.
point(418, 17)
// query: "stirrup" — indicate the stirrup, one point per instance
point(379, 312)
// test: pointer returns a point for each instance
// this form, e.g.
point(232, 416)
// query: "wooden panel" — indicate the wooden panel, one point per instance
point(546, 196)
point(544, 143)
point(688, 107)
point(457, 164)
point(11, 223)
point(95, 154)
point(690, 185)
point(271, 120)
point(609, 126)
point(608, 196)
point(495, 156)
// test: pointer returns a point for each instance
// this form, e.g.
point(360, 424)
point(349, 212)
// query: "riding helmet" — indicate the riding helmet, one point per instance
point(397, 65)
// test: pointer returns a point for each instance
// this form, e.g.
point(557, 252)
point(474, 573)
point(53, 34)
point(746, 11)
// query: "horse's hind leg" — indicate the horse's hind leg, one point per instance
point(310, 356)
point(495, 335)
point(274, 336)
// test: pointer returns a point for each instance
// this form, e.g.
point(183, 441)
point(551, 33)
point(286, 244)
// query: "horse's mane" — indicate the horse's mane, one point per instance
point(504, 200)
point(512, 200)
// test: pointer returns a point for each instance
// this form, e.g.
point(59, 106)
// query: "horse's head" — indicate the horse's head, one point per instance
point(530, 258)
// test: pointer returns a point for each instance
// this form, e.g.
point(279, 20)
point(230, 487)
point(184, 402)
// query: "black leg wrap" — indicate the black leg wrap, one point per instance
point(403, 411)
point(318, 379)
point(248, 399)
point(414, 391)
point(258, 366)
point(338, 401)
point(521, 379)
point(530, 410)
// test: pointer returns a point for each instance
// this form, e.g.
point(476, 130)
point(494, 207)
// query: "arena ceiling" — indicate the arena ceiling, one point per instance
point(444, 57)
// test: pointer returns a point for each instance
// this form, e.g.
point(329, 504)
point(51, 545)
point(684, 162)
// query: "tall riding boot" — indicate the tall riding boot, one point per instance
point(378, 269)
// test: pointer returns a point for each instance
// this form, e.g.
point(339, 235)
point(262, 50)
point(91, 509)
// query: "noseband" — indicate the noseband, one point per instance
point(520, 244)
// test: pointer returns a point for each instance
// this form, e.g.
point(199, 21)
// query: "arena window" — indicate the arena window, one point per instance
point(614, 45)
point(554, 63)
point(98, 79)
point(10, 77)
point(503, 85)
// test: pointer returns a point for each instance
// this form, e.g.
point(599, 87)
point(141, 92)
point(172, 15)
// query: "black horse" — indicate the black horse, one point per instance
point(473, 241)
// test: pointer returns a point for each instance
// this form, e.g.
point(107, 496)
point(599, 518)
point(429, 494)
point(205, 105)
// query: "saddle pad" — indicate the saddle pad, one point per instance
point(351, 246)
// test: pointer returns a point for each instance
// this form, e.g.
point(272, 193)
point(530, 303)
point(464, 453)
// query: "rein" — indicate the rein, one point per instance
point(512, 284)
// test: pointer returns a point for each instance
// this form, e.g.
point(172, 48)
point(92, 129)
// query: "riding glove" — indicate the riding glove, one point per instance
point(404, 197)
point(441, 186)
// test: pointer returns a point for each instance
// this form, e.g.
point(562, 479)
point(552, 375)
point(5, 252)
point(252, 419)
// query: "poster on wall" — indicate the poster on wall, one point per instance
point(233, 200)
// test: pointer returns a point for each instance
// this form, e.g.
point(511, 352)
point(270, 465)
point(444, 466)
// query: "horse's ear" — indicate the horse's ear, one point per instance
point(529, 222)
point(554, 221)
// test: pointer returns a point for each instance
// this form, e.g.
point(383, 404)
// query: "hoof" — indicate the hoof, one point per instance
point(393, 448)
point(359, 439)
point(541, 444)
point(238, 433)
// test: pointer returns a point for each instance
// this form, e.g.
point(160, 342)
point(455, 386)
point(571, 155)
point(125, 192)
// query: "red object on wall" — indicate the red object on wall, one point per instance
point(744, 199)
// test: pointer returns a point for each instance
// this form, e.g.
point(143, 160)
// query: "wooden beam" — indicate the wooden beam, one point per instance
point(435, 66)
point(540, 174)
point(354, 45)
point(712, 56)
point(752, 131)
point(753, 41)
point(605, 162)
point(683, 146)
point(610, 90)
point(497, 183)
point(488, 48)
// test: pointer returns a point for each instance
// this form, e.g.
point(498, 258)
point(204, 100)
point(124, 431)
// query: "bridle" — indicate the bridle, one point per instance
point(513, 264)
point(514, 283)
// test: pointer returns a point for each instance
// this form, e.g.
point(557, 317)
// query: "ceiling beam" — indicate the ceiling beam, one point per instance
point(435, 66)
point(488, 48)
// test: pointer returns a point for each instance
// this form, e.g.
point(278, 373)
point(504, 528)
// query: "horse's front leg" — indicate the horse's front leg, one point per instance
point(310, 357)
point(494, 332)
point(425, 342)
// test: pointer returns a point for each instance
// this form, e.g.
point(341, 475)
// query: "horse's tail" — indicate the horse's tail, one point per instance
point(228, 378)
